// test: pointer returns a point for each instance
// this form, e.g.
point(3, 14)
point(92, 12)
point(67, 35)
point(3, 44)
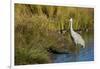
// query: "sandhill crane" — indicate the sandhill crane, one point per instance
point(77, 37)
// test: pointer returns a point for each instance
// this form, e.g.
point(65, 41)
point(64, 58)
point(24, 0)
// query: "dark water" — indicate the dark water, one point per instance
point(85, 54)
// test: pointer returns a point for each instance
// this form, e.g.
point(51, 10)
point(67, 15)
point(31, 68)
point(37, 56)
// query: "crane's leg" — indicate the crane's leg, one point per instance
point(78, 49)
point(75, 55)
point(77, 52)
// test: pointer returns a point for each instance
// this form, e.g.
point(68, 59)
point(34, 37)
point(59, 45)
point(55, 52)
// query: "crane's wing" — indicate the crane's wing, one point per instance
point(78, 39)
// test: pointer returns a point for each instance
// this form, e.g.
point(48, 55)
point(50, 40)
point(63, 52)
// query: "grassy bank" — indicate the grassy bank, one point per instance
point(37, 30)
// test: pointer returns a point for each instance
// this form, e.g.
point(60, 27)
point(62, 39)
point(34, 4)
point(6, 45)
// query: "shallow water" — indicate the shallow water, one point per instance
point(85, 54)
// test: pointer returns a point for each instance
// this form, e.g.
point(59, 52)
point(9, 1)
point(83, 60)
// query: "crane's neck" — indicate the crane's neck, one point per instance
point(71, 27)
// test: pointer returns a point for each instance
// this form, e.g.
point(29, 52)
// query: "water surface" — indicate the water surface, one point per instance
point(85, 54)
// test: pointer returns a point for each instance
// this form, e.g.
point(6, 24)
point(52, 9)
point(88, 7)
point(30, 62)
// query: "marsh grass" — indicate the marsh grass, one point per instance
point(37, 30)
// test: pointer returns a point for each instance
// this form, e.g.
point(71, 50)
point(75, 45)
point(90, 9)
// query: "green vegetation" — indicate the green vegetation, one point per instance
point(37, 30)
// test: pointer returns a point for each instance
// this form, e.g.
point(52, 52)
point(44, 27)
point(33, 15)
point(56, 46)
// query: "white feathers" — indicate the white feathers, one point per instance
point(77, 37)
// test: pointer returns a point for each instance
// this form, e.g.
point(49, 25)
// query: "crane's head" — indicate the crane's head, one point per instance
point(71, 19)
